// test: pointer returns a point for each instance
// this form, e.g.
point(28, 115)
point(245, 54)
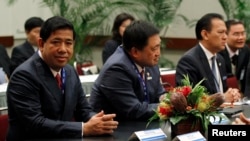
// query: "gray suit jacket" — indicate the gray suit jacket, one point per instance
point(37, 108)
point(118, 89)
point(194, 63)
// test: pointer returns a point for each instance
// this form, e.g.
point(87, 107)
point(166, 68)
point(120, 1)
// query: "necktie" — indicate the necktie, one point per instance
point(234, 61)
point(142, 74)
point(59, 81)
point(215, 74)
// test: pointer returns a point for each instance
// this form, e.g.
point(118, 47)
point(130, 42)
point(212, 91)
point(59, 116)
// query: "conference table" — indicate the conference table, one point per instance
point(124, 132)
point(3, 102)
point(126, 129)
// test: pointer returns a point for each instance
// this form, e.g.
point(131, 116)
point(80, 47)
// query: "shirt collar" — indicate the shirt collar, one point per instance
point(53, 71)
point(208, 54)
point(231, 53)
point(138, 67)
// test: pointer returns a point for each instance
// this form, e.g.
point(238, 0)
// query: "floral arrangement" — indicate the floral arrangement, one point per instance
point(185, 101)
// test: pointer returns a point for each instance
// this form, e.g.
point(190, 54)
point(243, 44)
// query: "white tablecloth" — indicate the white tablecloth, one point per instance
point(86, 80)
point(3, 102)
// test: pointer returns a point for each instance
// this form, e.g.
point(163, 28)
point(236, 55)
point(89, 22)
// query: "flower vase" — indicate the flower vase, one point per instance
point(186, 126)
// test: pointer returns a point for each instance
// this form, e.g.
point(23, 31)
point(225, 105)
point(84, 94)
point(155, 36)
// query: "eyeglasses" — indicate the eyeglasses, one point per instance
point(238, 34)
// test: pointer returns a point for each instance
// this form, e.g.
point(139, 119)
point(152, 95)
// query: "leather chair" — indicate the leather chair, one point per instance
point(232, 82)
point(3, 126)
point(168, 79)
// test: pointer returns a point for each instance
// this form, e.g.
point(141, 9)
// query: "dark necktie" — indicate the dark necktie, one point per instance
point(234, 61)
point(215, 74)
point(142, 74)
point(58, 80)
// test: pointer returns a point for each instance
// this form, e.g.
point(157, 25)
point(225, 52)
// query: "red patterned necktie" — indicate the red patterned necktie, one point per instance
point(59, 81)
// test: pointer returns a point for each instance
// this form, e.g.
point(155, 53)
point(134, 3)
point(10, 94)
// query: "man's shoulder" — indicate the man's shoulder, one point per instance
point(192, 52)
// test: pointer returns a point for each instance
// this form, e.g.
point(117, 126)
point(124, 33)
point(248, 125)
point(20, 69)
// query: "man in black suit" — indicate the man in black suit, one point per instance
point(247, 82)
point(22, 52)
point(40, 106)
point(4, 63)
point(236, 54)
point(121, 87)
point(203, 60)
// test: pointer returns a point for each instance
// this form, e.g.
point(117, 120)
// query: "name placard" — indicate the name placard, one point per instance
point(193, 136)
point(222, 119)
point(153, 134)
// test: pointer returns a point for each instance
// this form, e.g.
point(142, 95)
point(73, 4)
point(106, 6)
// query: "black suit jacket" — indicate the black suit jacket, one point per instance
point(109, 48)
point(38, 109)
point(243, 59)
point(4, 60)
point(118, 89)
point(20, 54)
point(247, 86)
point(194, 63)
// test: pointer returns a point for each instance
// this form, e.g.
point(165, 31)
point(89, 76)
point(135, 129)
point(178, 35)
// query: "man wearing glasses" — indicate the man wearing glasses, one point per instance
point(236, 52)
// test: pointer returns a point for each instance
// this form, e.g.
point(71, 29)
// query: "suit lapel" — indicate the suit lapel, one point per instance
point(207, 69)
point(228, 63)
point(241, 60)
point(49, 81)
point(67, 93)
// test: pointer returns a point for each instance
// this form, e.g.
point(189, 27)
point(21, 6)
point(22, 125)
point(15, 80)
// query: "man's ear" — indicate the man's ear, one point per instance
point(204, 34)
point(134, 52)
point(40, 43)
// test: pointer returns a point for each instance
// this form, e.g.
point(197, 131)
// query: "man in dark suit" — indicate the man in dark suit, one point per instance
point(236, 53)
point(4, 63)
point(22, 52)
point(199, 63)
point(41, 107)
point(120, 87)
point(247, 82)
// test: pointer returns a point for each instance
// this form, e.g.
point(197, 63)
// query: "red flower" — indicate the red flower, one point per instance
point(185, 90)
point(164, 110)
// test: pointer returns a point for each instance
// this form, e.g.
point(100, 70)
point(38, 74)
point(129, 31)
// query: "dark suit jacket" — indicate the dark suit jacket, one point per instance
point(20, 54)
point(243, 59)
point(118, 89)
point(4, 60)
point(247, 86)
point(109, 48)
point(194, 63)
point(38, 109)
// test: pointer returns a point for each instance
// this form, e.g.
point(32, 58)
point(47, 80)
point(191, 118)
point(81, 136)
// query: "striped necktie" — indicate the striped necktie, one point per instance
point(216, 80)
point(59, 80)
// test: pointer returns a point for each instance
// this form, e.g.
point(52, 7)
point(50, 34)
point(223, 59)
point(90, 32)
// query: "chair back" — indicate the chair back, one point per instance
point(3, 126)
point(168, 79)
point(232, 82)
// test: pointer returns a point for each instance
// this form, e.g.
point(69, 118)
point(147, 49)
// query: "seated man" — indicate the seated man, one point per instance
point(45, 96)
point(236, 53)
point(23, 51)
point(203, 60)
point(120, 87)
point(247, 84)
